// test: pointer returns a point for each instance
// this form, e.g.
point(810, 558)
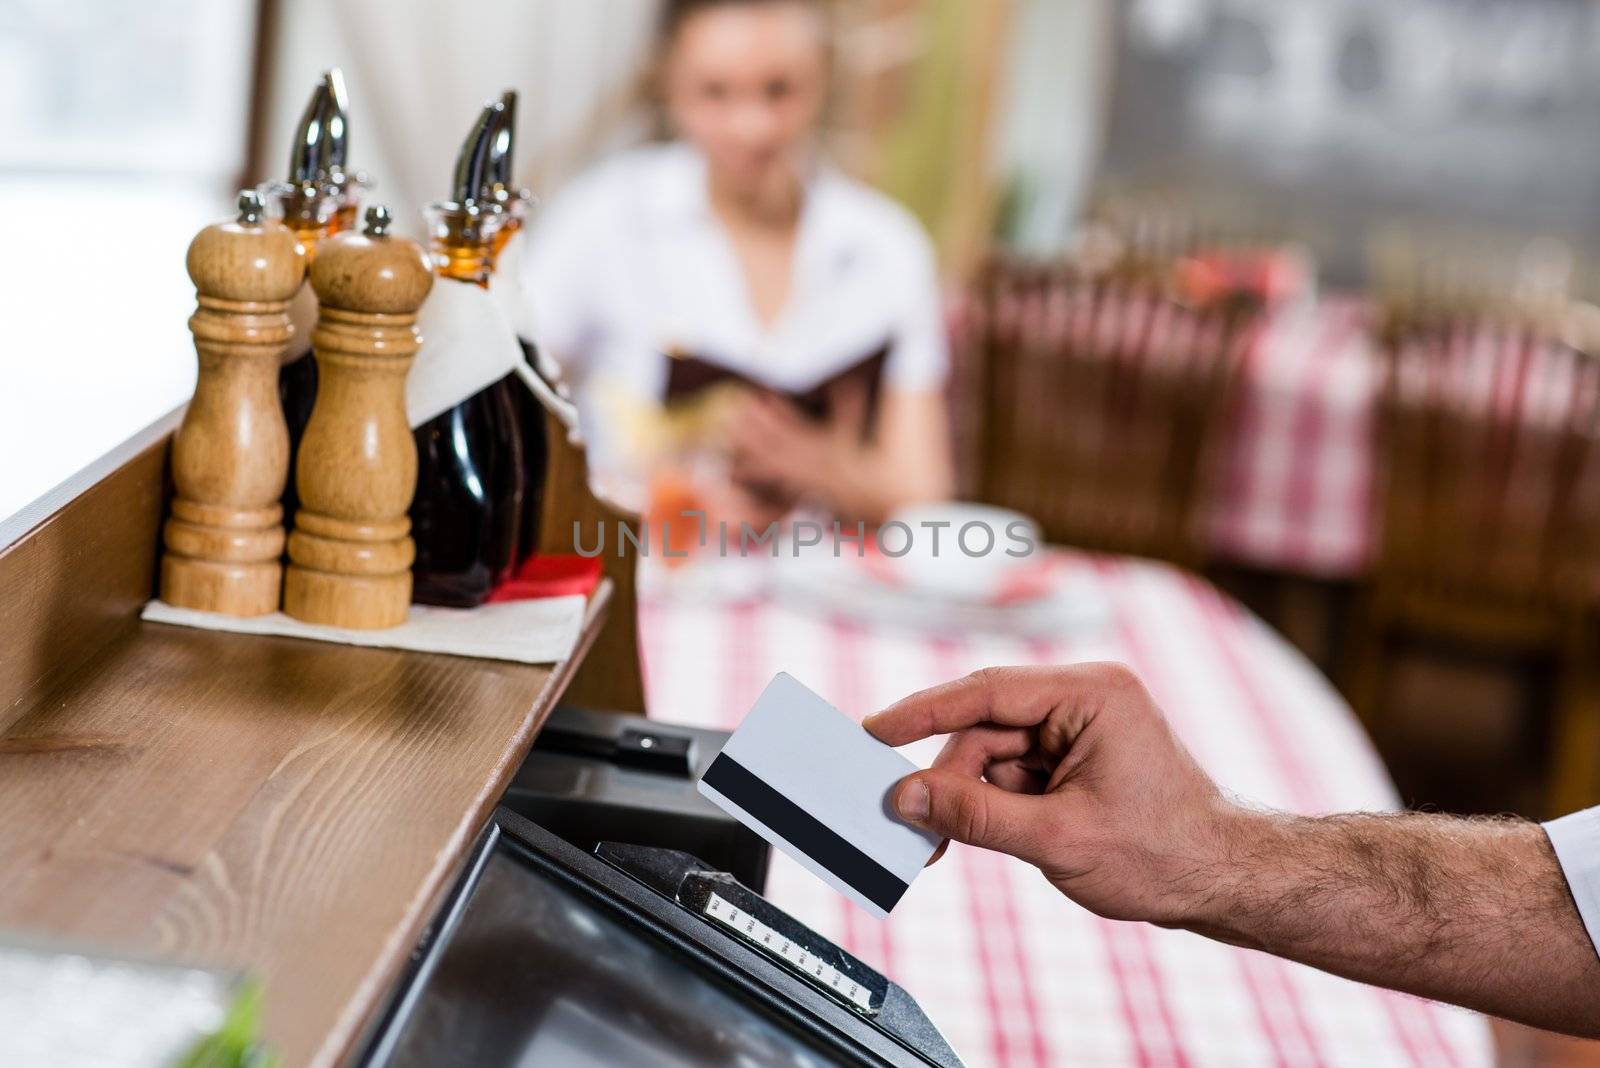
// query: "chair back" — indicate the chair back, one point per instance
point(1102, 399)
point(1489, 452)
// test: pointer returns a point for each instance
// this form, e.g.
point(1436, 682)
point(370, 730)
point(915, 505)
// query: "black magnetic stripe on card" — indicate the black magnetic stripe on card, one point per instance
point(804, 831)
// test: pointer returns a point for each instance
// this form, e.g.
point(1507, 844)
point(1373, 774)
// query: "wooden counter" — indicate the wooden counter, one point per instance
point(289, 807)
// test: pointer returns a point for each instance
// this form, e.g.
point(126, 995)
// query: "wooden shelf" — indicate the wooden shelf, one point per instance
point(292, 808)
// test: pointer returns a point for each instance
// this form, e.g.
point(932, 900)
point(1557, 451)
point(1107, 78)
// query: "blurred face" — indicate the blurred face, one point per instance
point(745, 84)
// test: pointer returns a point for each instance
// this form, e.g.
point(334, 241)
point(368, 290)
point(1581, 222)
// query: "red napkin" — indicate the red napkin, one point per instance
point(1268, 274)
point(556, 575)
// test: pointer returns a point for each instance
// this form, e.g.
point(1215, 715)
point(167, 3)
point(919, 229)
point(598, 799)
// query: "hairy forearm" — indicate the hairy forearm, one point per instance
point(1474, 912)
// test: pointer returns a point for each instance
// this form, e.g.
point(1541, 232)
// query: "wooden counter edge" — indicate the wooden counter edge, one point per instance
point(353, 1028)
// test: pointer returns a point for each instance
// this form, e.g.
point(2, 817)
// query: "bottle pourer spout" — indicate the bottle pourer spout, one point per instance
point(321, 141)
point(503, 144)
point(379, 220)
point(250, 206)
point(472, 174)
point(336, 119)
point(306, 154)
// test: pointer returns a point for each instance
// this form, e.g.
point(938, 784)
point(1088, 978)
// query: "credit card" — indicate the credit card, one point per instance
point(811, 781)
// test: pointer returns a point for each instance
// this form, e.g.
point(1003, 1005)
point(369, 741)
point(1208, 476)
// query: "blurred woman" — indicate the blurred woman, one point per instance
point(737, 244)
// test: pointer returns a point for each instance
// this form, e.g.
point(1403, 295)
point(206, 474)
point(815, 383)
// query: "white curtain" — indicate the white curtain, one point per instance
point(1056, 91)
point(418, 71)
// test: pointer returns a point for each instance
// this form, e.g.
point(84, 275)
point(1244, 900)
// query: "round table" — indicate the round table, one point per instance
point(1012, 972)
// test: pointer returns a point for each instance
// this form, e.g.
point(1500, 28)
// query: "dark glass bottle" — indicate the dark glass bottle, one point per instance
point(452, 515)
point(467, 512)
point(466, 518)
point(508, 478)
point(297, 389)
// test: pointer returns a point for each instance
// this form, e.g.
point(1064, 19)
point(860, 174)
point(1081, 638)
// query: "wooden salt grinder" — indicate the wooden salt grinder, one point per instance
point(230, 457)
point(350, 553)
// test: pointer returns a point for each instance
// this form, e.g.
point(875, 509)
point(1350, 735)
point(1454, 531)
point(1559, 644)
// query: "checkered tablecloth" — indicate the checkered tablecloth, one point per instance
point(1013, 973)
point(1296, 488)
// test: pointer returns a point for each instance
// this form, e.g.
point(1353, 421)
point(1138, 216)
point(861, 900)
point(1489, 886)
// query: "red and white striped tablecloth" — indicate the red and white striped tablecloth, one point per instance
point(1296, 489)
point(1013, 973)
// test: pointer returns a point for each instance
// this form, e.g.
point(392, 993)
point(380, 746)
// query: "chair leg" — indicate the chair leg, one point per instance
point(1575, 734)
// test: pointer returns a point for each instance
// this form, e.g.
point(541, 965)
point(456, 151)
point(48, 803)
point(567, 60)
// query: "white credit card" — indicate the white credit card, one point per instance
point(808, 779)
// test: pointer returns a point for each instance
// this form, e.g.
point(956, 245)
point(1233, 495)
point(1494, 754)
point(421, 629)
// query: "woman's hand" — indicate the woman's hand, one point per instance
point(780, 450)
point(1074, 770)
point(781, 454)
point(788, 457)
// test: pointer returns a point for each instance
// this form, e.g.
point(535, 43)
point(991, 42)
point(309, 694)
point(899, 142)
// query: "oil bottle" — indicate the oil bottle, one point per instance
point(471, 471)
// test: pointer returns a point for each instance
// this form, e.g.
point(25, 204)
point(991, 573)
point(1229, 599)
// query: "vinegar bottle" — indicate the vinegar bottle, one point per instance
point(468, 508)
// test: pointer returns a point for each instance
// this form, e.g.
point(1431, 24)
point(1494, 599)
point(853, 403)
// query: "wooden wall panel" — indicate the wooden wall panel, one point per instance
point(78, 579)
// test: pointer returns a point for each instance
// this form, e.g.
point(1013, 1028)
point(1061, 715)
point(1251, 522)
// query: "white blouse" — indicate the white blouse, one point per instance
point(629, 263)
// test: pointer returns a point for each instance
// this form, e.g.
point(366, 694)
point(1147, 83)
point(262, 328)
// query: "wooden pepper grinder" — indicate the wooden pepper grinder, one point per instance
point(350, 554)
point(224, 541)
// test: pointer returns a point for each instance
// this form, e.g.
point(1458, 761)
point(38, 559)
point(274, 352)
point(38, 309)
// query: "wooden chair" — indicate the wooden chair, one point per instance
point(1489, 424)
point(1101, 401)
point(610, 677)
point(1144, 230)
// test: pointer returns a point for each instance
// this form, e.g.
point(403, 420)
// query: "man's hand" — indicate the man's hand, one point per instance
point(1074, 770)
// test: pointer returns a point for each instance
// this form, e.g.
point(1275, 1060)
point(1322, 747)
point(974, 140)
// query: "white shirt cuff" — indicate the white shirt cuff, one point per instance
point(1576, 839)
